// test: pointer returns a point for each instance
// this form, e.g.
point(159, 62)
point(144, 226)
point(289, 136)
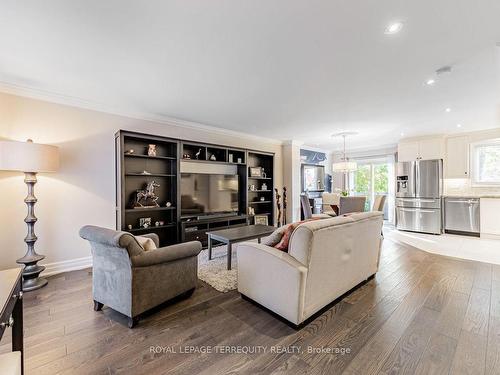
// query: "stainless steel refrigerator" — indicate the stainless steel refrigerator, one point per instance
point(419, 189)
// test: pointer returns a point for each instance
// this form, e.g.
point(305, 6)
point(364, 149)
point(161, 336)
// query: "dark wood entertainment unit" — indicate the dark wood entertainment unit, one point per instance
point(135, 169)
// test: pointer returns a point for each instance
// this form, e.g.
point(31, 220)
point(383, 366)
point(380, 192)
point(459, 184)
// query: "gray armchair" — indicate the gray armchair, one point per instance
point(130, 280)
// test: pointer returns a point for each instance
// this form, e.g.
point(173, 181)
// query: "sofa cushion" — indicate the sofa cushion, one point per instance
point(287, 233)
point(146, 243)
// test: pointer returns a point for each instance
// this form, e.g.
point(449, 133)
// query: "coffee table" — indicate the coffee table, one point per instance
point(239, 234)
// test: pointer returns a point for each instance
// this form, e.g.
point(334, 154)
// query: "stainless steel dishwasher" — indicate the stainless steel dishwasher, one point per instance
point(461, 215)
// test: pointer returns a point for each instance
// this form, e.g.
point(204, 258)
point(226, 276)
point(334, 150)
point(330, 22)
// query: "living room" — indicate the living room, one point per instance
point(222, 187)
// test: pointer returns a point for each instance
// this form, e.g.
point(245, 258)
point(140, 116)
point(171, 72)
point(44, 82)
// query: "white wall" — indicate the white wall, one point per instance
point(83, 191)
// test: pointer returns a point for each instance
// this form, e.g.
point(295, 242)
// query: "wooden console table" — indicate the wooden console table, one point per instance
point(11, 308)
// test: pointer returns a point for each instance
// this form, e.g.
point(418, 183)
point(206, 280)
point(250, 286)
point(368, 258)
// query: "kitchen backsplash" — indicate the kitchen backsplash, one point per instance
point(463, 187)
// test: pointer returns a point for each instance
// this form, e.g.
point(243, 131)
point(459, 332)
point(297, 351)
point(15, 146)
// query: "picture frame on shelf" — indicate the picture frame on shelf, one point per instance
point(261, 219)
point(256, 171)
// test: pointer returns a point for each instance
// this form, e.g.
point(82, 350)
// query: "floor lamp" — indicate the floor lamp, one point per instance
point(30, 158)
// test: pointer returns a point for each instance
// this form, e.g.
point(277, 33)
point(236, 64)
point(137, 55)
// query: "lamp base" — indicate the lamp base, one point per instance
point(31, 271)
point(34, 284)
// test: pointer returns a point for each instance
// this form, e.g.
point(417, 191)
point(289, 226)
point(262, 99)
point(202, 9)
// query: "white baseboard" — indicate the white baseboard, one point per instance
point(67, 265)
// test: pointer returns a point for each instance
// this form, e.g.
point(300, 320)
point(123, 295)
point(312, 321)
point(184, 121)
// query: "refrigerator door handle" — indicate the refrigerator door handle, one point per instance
point(417, 210)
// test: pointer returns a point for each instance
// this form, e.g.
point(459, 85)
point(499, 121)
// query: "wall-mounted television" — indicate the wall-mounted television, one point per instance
point(209, 194)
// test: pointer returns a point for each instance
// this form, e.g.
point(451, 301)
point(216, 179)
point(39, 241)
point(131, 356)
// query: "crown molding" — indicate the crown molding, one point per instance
point(77, 102)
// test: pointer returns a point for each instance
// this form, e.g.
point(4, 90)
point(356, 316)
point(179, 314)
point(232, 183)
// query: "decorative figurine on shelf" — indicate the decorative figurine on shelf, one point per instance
point(197, 155)
point(252, 187)
point(129, 227)
point(152, 150)
point(168, 204)
point(278, 206)
point(262, 199)
point(147, 198)
point(157, 223)
point(264, 186)
point(186, 156)
point(145, 172)
point(145, 222)
point(212, 157)
point(284, 205)
point(130, 152)
point(231, 158)
point(238, 160)
point(263, 173)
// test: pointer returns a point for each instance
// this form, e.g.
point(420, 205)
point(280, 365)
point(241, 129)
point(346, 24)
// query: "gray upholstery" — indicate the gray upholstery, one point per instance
point(306, 206)
point(351, 204)
point(131, 280)
point(306, 209)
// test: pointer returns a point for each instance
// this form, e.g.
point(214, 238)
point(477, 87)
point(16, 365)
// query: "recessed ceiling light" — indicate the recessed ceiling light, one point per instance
point(448, 110)
point(393, 28)
point(430, 82)
point(402, 134)
point(459, 125)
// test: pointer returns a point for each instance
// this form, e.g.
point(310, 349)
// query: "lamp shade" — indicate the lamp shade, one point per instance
point(28, 157)
point(345, 166)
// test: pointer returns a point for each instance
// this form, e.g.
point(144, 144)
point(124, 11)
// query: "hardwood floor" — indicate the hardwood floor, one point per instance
point(422, 313)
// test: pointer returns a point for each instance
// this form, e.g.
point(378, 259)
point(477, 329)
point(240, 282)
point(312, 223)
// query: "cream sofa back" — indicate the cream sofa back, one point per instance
point(326, 259)
point(339, 253)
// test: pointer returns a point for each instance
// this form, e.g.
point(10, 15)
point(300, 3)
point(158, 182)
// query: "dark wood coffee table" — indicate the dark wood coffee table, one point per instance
point(239, 234)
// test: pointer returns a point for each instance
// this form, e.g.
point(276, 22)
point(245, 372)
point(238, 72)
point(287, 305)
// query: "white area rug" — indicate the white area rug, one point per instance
point(215, 273)
point(471, 248)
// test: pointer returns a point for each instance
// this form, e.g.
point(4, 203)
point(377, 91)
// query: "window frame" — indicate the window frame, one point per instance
point(473, 162)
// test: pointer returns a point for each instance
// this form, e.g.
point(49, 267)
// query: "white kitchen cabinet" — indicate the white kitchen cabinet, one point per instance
point(430, 149)
point(457, 157)
point(408, 151)
point(424, 149)
point(490, 225)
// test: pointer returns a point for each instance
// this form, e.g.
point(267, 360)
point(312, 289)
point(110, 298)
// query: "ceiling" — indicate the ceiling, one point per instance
point(282, 69)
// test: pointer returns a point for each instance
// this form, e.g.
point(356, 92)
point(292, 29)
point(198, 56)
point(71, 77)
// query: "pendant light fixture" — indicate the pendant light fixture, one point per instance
point(344, 165)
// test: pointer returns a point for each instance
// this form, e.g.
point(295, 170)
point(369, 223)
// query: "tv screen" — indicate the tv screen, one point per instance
point(206, 194)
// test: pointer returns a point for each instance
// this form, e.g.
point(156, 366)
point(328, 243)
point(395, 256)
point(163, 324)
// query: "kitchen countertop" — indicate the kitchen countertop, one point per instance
point(472, 196)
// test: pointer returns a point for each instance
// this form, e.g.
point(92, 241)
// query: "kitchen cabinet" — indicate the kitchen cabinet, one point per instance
point(457, 157)
point(430, 149)
point(425, 149)
point(490, 225)
point(408, 151)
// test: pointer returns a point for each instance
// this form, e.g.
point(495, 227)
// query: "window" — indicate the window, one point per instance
point(370, 179)
point(486, 163)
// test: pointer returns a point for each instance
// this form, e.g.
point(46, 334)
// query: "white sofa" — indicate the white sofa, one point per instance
point(326, 258)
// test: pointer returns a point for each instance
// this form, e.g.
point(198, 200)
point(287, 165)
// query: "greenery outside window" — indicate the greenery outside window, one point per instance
point(486, 163)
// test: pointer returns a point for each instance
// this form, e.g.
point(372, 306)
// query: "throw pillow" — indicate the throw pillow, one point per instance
point(276, 236)
point(285, 240)
point(146, 243)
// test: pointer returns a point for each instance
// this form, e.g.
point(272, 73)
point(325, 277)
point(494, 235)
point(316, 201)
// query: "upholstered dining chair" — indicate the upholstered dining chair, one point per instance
point(379, 203)
point(307, 211)
point(351, 204)
point(132, 280)
point(330, 203)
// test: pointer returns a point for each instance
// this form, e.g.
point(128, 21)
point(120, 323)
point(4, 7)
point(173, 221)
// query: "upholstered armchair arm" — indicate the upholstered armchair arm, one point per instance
point(154, 237)
point(166, 254)
point(100, 235)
